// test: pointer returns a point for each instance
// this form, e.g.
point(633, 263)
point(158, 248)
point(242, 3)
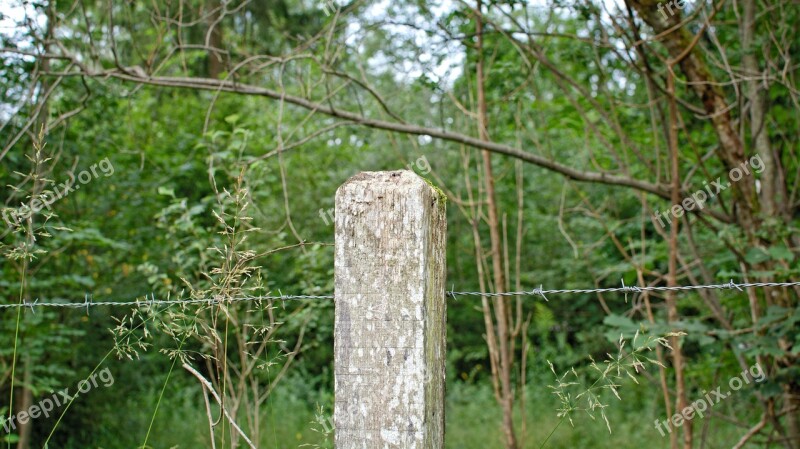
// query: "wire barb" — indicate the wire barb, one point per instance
point(452, 292)
point(539, 291)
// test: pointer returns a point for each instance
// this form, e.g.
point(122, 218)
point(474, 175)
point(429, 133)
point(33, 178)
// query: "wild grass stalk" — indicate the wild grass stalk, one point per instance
point(625, 364)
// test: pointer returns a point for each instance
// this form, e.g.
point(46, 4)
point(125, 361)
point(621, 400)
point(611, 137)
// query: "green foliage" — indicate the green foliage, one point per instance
point(217, 194)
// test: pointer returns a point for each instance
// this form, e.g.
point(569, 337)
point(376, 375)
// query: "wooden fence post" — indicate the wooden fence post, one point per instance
point(389, 338)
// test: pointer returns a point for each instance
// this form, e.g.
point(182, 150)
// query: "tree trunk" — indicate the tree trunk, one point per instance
point(24, 392)
point(772, 194)
point(25, 403)
point(214, 39)
point(672, 308)
point(498, 274)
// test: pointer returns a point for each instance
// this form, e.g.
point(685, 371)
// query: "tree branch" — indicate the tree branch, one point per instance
point(659, 190)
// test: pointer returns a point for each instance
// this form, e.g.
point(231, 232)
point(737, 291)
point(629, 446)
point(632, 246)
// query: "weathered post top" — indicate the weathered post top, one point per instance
point(389, 340)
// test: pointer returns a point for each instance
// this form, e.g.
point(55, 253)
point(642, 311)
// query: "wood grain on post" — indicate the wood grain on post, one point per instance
point(390, 329)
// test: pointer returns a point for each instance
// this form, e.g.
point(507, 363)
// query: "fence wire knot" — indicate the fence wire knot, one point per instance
point(283, 299)
point(452, 292)
point(87, 301)
point(540, 292)
point(732, 285)
point(30, 304)
point(632, 288)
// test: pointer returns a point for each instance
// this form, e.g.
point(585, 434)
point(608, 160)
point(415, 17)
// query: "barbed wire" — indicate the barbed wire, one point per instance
point(150, 301)
point(630, 289)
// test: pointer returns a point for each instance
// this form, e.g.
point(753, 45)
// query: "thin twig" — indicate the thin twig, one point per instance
point(207, 386)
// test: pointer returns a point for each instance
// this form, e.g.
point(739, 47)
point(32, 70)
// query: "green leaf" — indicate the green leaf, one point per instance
point(774, 314)
point(756, 255)
point(168, 191)
point(620, 321)
point(780, 252)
